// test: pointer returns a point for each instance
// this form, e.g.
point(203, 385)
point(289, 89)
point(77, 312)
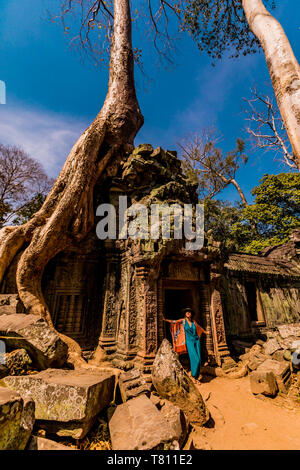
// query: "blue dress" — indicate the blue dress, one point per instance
point(193, 347)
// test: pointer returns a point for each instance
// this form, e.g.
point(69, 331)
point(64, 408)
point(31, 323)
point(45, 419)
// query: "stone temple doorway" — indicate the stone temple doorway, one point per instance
point(179, 295)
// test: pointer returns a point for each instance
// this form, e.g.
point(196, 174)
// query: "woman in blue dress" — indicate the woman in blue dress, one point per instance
point(192, 333)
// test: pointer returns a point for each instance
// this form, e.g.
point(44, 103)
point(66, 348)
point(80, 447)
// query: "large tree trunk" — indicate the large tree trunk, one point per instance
point(67, 214)
point(283, 67)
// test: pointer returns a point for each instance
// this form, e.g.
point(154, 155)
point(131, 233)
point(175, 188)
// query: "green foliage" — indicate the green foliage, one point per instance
point(31, 207)
point(219, 217)
point(275, 213)
point(219, 26)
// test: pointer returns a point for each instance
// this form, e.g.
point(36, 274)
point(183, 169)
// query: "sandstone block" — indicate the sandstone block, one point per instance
point(138, 425)
point(16, 420)
point(263, 382)
point(281, 371)
point(172, 382)
point(40, 443)
point(31, 332)
point(132, 384)
point(67, 401)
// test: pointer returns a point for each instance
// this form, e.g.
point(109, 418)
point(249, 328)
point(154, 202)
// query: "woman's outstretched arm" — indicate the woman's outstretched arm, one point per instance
point(171, 321)
point(165, 319)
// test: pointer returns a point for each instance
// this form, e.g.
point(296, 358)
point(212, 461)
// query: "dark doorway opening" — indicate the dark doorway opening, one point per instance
point(250, 288)
point(175, 301)
point(179, 295)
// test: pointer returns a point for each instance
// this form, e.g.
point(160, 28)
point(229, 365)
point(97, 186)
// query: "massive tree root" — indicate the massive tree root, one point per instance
point(67, 215)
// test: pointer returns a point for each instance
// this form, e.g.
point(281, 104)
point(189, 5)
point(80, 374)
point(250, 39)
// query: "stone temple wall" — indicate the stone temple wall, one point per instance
point(277, 303)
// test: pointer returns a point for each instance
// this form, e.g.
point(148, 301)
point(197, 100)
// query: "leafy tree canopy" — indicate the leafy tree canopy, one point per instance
point(275, 213)
point(219, 217)
point(219, 26)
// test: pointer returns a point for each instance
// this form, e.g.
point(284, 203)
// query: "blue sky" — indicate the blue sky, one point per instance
point(52, 96)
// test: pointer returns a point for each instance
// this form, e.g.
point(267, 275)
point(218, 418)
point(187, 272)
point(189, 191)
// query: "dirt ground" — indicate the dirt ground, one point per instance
point(243, 422)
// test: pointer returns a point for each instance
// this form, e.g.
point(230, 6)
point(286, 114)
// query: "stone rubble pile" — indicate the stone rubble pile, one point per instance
point(66, 403)
point(30, 332)
point(271, 363)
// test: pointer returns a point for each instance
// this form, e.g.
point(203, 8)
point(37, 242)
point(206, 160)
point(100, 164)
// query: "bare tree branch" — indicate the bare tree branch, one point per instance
point(205, 162)
point(96, 22)
point(21, 179)
point(266, 128)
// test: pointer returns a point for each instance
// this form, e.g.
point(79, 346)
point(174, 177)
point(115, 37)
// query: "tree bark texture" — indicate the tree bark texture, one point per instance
point(67, 214)
point(283, 67)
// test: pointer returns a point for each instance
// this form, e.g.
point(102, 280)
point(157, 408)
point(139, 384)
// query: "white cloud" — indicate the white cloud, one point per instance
point(46, 136)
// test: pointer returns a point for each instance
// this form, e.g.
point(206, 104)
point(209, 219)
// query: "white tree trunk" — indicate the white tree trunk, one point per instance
point(283, 67)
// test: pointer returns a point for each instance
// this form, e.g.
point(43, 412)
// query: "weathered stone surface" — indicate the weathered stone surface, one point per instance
point(67, 401)
point(138, 425)
point(176, 419)
point(172, 382)
point(31, 332)
point(271, 346)
point(255, 360)
point(287, 355)
point(16, 420)
point(289, 330)
point(281, 371)
point(279, 355)
point(143, 149)
point(40, 443)
point(256, 349)
point(18, 361)
point(132, 384)
point(289, 343)
point(263, 382)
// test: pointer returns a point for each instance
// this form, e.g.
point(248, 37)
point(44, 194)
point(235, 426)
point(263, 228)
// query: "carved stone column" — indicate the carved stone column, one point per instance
point(110, 308)
point(127, 317)
point(217, 320)
point(147, 310)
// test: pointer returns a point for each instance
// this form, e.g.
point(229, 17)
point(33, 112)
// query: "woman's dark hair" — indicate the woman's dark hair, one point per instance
point(187, 309)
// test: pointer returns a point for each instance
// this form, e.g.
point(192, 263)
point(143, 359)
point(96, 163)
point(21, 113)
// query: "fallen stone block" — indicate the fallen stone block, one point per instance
point(290, 343)
point(138, 425)
point(18, 361)
point(256, 349)
point(40, 443)
point(263, 382)
point(292, 329)
point(31, 332)
point(279, 355)
point(271, 346)
point(132, 384)
point(281, 371)
point(255, 360)
point(16, 420)
point(66, 401)
point(176, 419)
point(172, 382)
